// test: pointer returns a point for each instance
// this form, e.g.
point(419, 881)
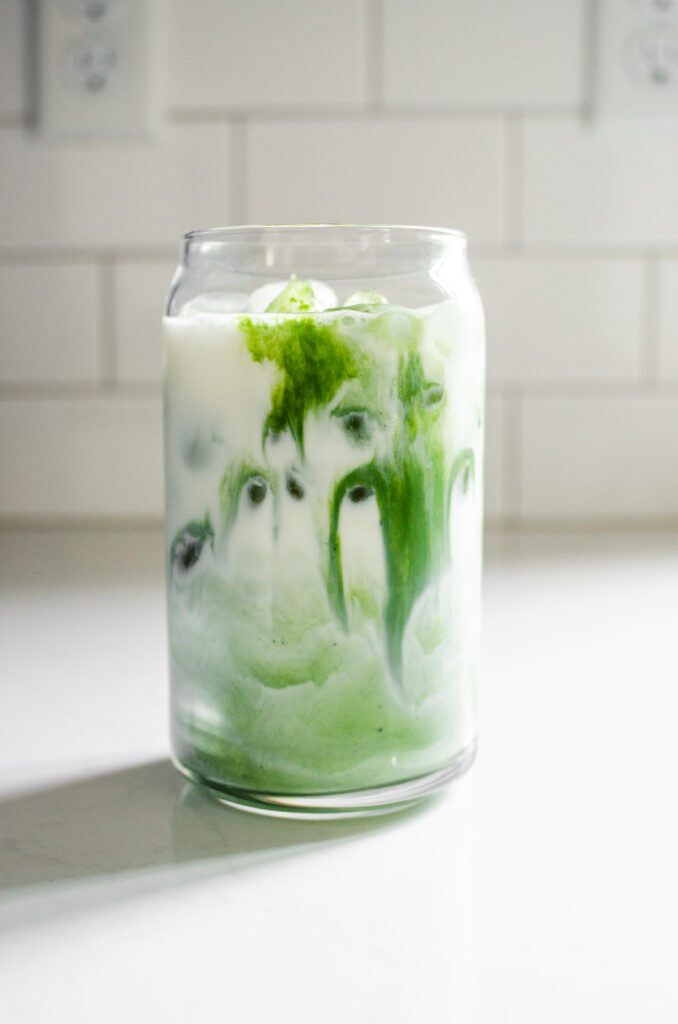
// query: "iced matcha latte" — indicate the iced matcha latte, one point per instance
point(323, 471)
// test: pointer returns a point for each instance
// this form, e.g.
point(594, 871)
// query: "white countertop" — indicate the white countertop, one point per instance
point(542, 887)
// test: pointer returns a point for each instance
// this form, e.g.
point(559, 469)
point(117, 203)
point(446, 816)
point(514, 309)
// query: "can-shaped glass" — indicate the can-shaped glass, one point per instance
point(324, 397)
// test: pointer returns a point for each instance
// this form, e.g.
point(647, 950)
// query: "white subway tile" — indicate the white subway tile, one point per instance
point(561, 319)
point(495, 458)
point(668, 319)
point(457, 51)
point(48, 322)
point(108, 195)
point(12, 84)
point(81, 457)
point(227, 53)
point(599, 184)
point(440, 172)
point(141, 289)
point(607, 457)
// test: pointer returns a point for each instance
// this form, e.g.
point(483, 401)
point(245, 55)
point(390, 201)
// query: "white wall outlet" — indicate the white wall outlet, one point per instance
point(97, 64)
point(636, 59)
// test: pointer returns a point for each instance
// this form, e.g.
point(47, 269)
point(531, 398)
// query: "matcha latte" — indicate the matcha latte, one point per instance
point(323, 476)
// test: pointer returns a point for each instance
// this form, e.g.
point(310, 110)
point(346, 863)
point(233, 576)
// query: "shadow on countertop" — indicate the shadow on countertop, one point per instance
point(137, 830)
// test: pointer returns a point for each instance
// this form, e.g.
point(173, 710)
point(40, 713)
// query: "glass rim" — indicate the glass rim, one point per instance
point(266, 233)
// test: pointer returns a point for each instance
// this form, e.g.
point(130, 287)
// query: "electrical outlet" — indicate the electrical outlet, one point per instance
point(636, 60)
point(98, 69)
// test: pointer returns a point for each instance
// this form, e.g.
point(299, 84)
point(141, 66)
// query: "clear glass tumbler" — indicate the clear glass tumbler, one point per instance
point(324, 393)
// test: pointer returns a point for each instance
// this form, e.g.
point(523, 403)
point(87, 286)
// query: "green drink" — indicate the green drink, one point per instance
point(323, 472)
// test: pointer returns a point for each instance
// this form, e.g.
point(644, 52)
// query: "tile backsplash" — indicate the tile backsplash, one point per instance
point(441, 111)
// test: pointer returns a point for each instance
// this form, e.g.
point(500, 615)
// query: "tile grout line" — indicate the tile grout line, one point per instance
point(513, 182)
point(76, 521)
point(573, 251)
point(579, 388)
point(594, 524)
point(107, 323)
point(374, 56)
point(60, 255)
point(12, 522)
point(512, 497)
point(502, 390)
point(363, 110)
point(66, 391)
point(649, 324)
point(77, 253)
point(238, 167)
point(588, 49)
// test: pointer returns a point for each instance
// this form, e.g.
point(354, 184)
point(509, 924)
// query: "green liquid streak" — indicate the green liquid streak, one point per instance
point(412, 479)
point(412, 482)
point(236, 477)
point(296, 297)
point(191, 538)
point(312, 362)
point(321, 674)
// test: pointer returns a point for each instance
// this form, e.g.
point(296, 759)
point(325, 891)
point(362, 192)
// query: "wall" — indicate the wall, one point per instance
point(446, 112)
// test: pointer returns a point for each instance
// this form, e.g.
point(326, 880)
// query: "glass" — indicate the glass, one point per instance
point(324, 393)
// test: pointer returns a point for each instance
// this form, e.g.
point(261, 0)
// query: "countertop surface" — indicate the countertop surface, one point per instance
point(541, 887)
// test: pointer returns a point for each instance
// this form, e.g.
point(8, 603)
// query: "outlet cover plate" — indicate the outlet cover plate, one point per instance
point(97, 64)
point(636, 59)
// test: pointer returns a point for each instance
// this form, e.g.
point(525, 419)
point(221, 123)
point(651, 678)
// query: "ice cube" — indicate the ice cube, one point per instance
point(261, 298)
point(264, 296)
point(366, 298)
point(325, 296)
point(216, 302)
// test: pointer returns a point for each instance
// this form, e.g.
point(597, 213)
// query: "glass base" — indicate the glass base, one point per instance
point(357, 804)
